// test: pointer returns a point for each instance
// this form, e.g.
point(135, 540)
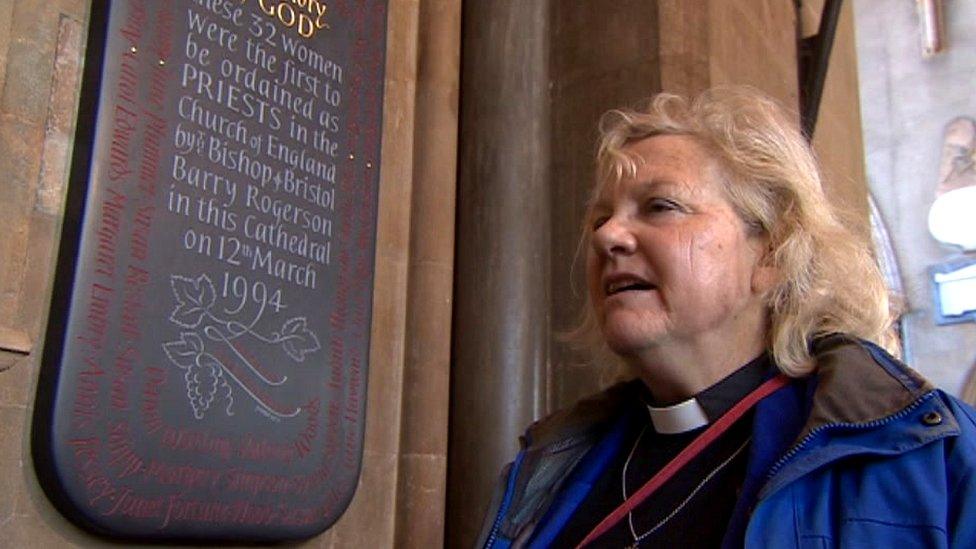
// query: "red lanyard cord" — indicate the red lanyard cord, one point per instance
point(700, 443)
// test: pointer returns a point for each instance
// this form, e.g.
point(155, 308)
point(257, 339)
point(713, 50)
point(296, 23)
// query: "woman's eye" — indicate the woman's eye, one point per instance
point(660, 205)
point(599, 221)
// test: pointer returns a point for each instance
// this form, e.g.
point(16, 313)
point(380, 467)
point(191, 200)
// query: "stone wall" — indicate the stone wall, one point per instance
point(41, 45)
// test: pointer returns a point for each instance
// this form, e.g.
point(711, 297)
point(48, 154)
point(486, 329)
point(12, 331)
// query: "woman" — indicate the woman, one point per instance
point(763, 412)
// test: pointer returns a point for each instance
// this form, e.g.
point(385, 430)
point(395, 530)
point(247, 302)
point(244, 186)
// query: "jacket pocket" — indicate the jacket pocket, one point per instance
point(815, 542)
point(865, 532)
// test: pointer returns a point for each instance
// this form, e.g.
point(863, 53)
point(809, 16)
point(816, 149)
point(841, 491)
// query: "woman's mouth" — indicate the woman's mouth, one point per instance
point(620, 284)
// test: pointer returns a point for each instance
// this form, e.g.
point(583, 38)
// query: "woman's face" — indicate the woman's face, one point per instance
point(670, 262)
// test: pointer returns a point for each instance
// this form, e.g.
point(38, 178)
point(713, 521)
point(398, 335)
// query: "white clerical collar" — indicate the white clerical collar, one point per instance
point(678, 418)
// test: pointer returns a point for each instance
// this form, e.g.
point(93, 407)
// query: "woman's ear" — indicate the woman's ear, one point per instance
point(764, 278)
point(765, 275)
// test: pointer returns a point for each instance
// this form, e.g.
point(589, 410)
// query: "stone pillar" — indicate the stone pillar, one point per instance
point(422, 475)
point(501, 323)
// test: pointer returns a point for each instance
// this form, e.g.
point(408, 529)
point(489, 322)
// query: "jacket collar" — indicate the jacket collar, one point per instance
point(586, 419)
point(870, 402)
point(848, 387)
point(851, 388)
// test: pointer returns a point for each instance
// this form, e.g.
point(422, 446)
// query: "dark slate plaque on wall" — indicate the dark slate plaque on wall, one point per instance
point(204, 372)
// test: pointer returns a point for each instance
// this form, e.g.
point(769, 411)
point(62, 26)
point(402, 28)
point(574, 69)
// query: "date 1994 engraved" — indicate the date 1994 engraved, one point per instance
point(213, 350)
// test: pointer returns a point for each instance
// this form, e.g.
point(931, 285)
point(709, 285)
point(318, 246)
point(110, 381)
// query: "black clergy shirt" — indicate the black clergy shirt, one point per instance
point(693, 508)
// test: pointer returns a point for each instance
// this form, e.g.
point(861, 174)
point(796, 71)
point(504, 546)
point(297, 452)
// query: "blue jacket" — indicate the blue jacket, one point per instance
point(862, 453)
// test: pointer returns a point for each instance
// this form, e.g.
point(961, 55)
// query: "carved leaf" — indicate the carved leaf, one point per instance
point(297, 339)
point(184, 352)
point(194, 297)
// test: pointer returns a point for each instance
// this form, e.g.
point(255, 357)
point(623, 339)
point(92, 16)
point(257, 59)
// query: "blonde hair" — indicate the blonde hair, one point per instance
point(828, 280)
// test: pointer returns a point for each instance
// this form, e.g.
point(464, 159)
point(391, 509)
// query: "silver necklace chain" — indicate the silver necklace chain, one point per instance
point(662, 522)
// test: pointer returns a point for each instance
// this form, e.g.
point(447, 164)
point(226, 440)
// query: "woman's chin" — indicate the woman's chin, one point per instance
point(629, 342)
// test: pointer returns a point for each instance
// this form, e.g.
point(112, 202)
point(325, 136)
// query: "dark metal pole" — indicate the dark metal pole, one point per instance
point(814, 59)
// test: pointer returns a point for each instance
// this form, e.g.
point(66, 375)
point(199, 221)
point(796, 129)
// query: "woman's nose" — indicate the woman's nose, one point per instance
point(614, 237)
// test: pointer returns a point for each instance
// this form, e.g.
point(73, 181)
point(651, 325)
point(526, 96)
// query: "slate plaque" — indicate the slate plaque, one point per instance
point(204, 372)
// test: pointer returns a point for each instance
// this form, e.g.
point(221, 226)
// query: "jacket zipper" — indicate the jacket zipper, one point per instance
point(494, 529)
point(506, 500)
point(866, 425)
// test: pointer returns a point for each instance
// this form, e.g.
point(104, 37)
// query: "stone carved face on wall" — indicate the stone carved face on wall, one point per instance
point(951, 219)
point(951, 222)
